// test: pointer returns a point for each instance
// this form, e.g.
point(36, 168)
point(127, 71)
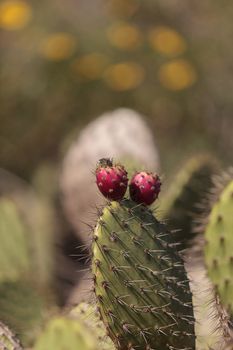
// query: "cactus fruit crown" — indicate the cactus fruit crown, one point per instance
point(104, 162)
point(111, 179)
point(219, 246)
point(140, 283)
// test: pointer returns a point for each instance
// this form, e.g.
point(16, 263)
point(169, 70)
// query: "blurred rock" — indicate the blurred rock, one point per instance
point(121, 134)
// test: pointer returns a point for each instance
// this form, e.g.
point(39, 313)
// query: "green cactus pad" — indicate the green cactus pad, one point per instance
point(181, 202)
point(141, 286)
point(8, 340)
point(88, 314)
point(14, 250)
point(219, 246)
point(66, 334)
point(21, 308)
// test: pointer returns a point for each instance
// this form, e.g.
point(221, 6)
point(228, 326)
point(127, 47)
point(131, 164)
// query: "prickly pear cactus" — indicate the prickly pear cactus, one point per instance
point(64, 333)
point(8, 340)
point(181, 201)
point(219, 246)
point(89, 315)
point(140, 282)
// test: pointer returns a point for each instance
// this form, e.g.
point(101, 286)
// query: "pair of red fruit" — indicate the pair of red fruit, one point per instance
point(112, 182)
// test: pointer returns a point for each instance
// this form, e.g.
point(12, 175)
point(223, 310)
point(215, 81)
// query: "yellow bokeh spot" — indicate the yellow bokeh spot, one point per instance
point(124, 76)
point(177, 75)
point(14, 15)
point(90, 66)
point(58, 46)
point(166, 41)
point(124, 36)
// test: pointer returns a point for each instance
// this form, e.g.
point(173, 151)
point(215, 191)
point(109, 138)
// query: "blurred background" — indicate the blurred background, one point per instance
point(65, 63)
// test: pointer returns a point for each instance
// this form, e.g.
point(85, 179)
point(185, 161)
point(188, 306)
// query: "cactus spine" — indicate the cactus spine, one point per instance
point(219, 246)
point(140, 282)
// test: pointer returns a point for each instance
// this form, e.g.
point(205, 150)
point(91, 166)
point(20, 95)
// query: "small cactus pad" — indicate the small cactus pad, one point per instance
point(219, 246)
point(8, 340)
point(140, 283)
point(63, 333)
point(181, 202)
point(14, 249)
point(89, 315)
point(21, 308)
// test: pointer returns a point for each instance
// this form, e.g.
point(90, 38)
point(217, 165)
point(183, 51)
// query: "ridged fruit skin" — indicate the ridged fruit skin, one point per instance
point(144, 187)
point(140, 282)
point(111, 180)
point(181, 202)
point(219, 246)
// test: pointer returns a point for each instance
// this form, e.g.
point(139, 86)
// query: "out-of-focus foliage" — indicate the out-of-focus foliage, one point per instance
point(63, 64)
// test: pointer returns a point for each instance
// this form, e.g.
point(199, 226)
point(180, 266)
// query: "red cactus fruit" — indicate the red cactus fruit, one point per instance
point(144, 187)
point(111, 180)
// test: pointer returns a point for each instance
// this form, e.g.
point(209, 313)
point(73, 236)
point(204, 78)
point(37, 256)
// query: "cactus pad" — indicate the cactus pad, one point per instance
point(66, 334)
point(182, 199)
point(89, 315)
point(21, 308)
point(14, 250)
point(219, 246)
point(141, 286)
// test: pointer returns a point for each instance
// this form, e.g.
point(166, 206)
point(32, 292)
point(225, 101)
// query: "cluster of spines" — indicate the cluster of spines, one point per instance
point(156, 302)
